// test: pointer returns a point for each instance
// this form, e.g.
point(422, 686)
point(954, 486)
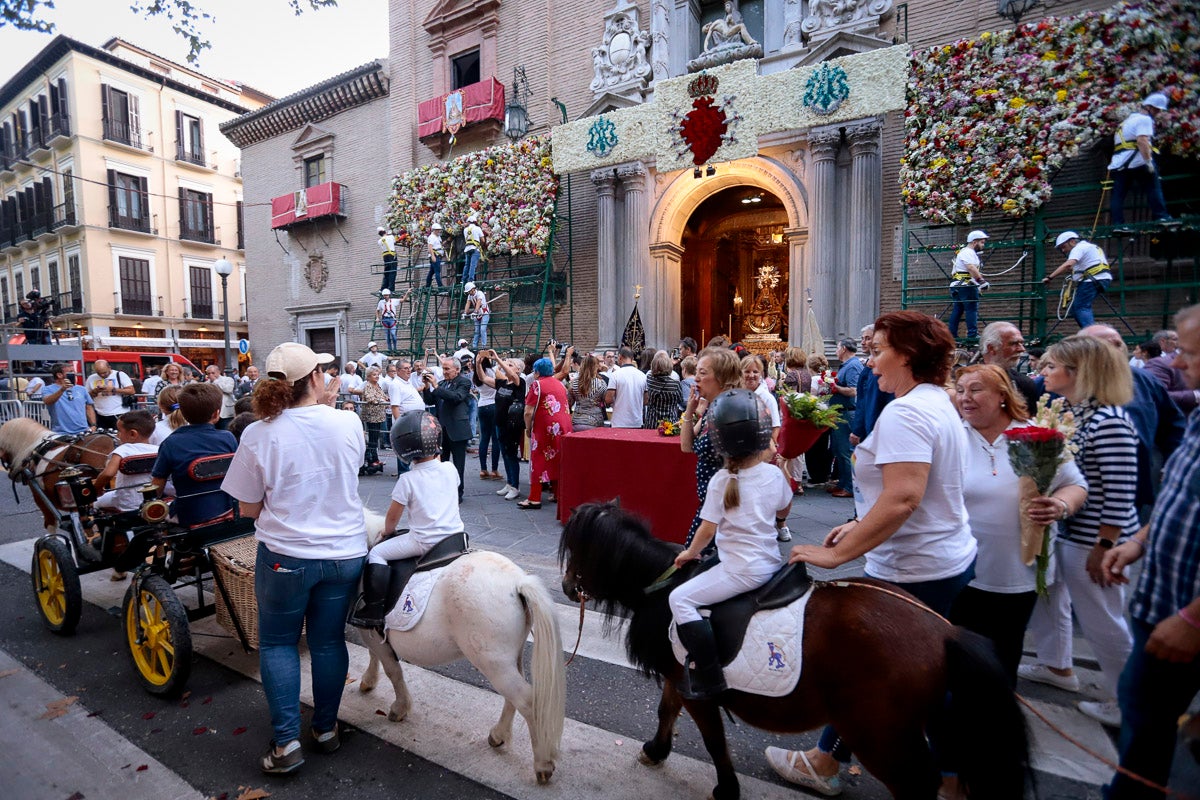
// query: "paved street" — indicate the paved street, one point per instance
point(77, 724)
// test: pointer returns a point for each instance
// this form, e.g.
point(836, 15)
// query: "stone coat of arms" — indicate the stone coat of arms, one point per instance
point(316, 272)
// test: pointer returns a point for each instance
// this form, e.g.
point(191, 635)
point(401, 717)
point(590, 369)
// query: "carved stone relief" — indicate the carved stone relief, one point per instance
point(620, 65)
point(826, 17)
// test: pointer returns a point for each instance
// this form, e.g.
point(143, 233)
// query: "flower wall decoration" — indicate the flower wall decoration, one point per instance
point(512, 188)
point(602, 137)
point(990, 120)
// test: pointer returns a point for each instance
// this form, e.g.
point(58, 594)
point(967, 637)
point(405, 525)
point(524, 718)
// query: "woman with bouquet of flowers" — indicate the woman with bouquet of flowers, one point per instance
point(1095, 380)
point(1000, 599)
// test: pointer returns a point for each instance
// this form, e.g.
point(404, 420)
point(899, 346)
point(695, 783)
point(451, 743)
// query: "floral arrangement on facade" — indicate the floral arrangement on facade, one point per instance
point(668, 428)
point(512, 189)
point(1036, 451)
point(990, 120)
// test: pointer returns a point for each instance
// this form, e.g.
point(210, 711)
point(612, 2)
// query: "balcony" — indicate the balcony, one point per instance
point(8, 161)
point(325, 200)
point(122, 133)
point(475, 103)
point(68, 303)
point(201, 310)
point(135, 306)
point(35, 142)
point(204, 235)
point(63, 216)
point(60, 127)
point(189, 157)
point(140, 224)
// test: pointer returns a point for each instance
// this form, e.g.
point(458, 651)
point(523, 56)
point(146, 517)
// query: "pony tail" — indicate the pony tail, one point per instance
point(733, 496)
point(168, 404)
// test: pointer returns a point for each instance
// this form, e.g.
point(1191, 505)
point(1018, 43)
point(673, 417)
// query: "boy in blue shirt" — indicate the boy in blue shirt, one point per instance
point(195, 501)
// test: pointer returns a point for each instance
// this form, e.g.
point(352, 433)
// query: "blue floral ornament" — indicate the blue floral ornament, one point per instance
point(827, 87)
point(602, 137)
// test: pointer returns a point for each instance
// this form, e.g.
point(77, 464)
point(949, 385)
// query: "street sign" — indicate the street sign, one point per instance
point(243, 346)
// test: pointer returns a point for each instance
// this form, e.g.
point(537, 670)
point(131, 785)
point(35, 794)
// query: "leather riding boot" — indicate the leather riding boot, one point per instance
point(705, 678)
point(375, 590)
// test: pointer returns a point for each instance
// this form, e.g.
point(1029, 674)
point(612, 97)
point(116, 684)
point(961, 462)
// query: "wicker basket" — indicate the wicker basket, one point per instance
point(235, 561)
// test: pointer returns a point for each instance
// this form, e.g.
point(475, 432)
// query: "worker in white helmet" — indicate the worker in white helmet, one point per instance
point(1089, 270)
point(477, 309)
point(1133, 163)
point(965, 280)
point(437, 252)
point(387, 246)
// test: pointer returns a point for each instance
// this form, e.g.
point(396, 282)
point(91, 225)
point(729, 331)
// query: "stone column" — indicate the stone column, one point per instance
point(666, 296)
point(635, 252)
point(864, 221)
point(798, 283)
point(608, 329)
point(823, 144)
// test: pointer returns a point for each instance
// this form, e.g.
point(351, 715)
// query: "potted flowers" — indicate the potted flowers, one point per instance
point(804, 418)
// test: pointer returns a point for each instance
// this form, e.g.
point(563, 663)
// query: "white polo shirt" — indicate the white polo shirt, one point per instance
point(629, 385)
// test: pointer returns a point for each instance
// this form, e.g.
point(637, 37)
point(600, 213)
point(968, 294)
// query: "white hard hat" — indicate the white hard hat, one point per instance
point(385, 292)
point(437, 226)
point(1156, 100)
point(383, 230)
point(473, 218)
point(975, 236)
point(1065, 237)
point(470, 286)
point(372, 344)
point(462, 342)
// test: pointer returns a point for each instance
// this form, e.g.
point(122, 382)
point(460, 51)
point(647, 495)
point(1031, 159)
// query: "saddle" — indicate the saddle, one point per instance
point(402, 569)
point(729, 618)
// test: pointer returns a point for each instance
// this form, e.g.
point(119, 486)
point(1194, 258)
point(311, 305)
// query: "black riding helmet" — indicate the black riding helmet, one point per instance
point(740, 424)
point(415, 435)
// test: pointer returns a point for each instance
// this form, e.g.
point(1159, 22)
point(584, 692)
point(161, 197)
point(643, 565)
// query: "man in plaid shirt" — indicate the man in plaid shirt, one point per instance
point(1163, 672)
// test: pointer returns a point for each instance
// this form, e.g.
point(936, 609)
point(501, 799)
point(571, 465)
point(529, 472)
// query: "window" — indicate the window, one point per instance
point(135, 286)
point(4, 298)
point(189, 139)
point(122, 121)
point(195, 216)
point(128, 202)
point(241, 229)
point(60, 118)
point(19, 284)
point(200, 281)
point(314, 170)
point(52, 277)
point(74, 286)
point(68, 194)
point(464, 69)
point(35, 278)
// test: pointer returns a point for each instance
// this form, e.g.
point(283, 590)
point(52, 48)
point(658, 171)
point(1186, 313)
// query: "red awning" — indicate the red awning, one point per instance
point(480, 101)
point(322, 200)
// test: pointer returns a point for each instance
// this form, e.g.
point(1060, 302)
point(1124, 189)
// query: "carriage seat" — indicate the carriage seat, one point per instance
point(444, 552)
point(211, 470)
point(730, 617)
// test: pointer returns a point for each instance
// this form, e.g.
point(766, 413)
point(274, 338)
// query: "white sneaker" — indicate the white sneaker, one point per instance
point(1106, 712)
point(782, 534)
point(1040, 673)
point(504, 490)
point(512, 494)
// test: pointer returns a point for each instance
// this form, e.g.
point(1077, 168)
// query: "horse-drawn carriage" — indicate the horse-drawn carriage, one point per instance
point(160, 556)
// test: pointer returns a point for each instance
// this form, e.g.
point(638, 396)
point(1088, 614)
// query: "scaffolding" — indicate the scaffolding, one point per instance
point(1155, 268)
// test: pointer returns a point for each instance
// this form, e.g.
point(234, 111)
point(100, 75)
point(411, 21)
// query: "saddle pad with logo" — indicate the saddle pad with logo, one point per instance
point(769, 661)
point(413, 601)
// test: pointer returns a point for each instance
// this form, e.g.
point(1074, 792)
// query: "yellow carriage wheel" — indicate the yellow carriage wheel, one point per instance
point(156, 630)
point(56, 585)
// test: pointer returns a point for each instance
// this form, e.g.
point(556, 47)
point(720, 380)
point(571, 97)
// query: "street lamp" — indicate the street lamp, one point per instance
point(224, 268)
point(516, 113)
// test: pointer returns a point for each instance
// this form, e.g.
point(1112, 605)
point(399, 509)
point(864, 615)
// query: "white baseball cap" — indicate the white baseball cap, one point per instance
point(291, 361)
point(975, 236)
point(1065, 237)
point(1156, 100)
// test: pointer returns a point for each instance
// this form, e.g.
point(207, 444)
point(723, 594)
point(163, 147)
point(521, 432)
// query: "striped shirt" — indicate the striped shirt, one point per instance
point(1171, 576)
point(1107, 455)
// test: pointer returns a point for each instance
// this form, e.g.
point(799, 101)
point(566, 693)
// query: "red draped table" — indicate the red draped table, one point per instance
point(649, 472)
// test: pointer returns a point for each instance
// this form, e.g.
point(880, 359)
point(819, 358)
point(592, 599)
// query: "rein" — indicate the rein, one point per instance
point(1133, 776)
point(583, 598)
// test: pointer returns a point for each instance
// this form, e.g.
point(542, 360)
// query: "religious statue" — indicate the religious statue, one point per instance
point(725, 40)
point(766, 314)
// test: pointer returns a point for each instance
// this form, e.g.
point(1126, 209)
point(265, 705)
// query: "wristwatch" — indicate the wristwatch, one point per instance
point(1105, 544)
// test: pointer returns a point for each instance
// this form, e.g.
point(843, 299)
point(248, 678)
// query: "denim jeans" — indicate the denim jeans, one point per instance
point(390, 332)
point(489, 437)
point(839, 444)
point(470, 263)
point(292, 592)
point(509, 451)
point(1153, 695)
point(1085, 295)
point(480, 337)
point(1124, 179)
point(435, 271)
point(473, 415)
point(966, 300)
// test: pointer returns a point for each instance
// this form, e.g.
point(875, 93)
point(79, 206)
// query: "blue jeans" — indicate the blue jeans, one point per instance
point(1085, 295)
point(1124, 179)
point(390, 332)
point(966, 301)
point(473, 414)
point(292, 592)
point(470, 263)
point(435, 271)
point(480, 338)
point(489, 437)
point(939, 595)
point(1153, 695)
point(839, 444)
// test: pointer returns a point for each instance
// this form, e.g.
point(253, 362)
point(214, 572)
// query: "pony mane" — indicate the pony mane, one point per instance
point(18, 438)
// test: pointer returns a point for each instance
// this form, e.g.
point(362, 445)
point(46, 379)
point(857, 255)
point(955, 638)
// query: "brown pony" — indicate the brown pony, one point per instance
point(27, 446)
point(878, 666)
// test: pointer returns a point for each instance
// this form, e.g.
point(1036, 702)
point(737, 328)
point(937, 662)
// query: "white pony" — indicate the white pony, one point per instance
point(482, 609)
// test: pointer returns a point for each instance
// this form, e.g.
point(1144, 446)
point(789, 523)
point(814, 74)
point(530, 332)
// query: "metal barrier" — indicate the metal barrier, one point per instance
point(33, 409)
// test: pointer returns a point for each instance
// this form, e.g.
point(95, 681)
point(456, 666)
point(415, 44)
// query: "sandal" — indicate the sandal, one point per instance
point(483, 475)
point(525, 505)
point(276, 764)
point(494, 475)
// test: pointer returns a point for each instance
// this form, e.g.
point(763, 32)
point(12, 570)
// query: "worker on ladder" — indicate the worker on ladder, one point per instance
point(1089, 272)
point(385, 315)
point(1133, 163)
point(473, 236)
point(477, 309)
point(387, 243)
point(965, 282)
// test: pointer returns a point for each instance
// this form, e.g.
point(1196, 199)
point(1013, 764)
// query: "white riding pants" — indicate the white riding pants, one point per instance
point(709, 587)
point(403, 546)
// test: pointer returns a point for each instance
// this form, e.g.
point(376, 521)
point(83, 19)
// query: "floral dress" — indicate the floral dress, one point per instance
point(707, 464)
point(551, 420)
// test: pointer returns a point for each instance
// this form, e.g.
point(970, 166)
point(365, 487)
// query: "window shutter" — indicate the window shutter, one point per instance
point(135, 127)
point(63, 107)
point(44, 111)
point(48, 191)
point(106, 103)
point(183, 212)
point(200, 137)
point(112, 196)
point(144, 194)
point(180, 143)
point(209, 229)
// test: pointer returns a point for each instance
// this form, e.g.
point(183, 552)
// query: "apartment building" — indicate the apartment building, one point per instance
point(119, 195)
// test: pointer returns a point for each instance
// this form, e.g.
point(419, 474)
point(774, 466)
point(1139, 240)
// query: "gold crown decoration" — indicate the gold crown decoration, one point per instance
point(703, 85)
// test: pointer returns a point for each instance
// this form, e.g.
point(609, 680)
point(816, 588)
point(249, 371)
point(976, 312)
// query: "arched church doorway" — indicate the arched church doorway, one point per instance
point(734, 271)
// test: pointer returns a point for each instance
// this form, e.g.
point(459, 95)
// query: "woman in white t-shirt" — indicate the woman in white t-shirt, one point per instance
point(908, 493)
point(296, 474)
point(999, 601)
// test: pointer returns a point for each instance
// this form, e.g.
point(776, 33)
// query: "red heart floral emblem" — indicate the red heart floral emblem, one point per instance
point(703, 128)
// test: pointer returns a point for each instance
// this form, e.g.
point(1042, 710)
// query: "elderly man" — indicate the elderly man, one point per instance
point(626, 391)
point(212, 374)
point(869, 401)
point(845, 394)
point(1164, 370)
point(1002, 344)
point(246, 385)
point(404, 398)
point(451, 397)
point(352, 382)
point(1162, 674)
point(108, 388)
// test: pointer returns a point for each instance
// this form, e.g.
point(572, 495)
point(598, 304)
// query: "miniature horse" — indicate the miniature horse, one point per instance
point(875, 665)
point(25, 444)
